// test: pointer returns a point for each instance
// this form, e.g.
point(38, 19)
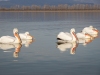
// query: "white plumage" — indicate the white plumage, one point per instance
point(67, 37)
point(10, 39)
point(83, 35)
point(90, 30)
point(25, 35)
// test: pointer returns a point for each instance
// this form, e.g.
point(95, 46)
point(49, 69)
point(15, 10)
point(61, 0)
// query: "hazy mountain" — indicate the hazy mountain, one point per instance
point(8, 3)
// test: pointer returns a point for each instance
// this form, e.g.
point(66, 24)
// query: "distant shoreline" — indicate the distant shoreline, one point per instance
point(49, 10)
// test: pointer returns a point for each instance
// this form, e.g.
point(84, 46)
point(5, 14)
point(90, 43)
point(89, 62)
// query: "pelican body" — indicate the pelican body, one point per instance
point(25, 35)
point(90, 30)
point(67, 37)
point(10, 39)
point(83, 35)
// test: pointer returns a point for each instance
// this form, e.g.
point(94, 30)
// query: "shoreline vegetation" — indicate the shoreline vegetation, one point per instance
point(49, 10)
point(53, 8)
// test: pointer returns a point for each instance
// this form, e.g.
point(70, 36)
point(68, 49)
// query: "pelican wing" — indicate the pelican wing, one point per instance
point(88, 30)
point(22, 36)
point(68, 34)
point(64, 36)
point(7, 39)
point(80, 35)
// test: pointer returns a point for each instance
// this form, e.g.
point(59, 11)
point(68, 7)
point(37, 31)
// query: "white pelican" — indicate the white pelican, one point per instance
point(83, 35)
point(67, 37)
point(10, 39)
point(64, 46)
point(94, 29)
point(26, 35)
point(90, 30)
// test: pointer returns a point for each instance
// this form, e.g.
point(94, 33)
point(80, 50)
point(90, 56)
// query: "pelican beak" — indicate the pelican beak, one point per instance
point(30, 36)
point(95, 30)
point(75, 36)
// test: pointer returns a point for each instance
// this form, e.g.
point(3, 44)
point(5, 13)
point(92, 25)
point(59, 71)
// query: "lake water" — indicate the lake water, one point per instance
point(44, 56)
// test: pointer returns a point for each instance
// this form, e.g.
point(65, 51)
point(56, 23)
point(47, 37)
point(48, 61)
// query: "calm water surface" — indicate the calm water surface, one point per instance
point(44, 56)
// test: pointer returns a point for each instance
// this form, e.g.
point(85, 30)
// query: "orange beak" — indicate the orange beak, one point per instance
point(95, 30)
point(75, 36)
point(30, 35)
point(16, 34)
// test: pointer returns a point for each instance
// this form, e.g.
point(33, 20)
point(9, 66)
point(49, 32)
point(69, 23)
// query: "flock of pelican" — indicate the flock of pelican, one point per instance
point(70, 40)
point(8, 42)
point(64, 39)
point(87, 33)
point(17, 37)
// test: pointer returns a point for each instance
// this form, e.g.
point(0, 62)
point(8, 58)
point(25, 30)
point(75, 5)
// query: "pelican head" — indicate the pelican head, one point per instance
point(73, 30)
point(91, 26)
point(16, 34)
point(94, 29)
point(27, 33)
point(15, 30)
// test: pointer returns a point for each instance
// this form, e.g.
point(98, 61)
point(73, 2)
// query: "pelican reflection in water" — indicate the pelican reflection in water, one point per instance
point(84, 42)
point(64, 46)
point(27, 42)
point(7, 47)
point(24, 42)
point(17, 50)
